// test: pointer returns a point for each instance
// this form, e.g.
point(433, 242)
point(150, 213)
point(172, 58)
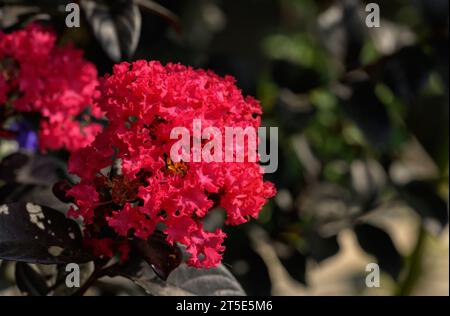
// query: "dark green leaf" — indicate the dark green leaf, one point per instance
point(17, 192)
point(10, 166)
point(60, 188)
point(366, 109)
point(30, 169)
point(5, 267)
point(29, 281)
point(379, 244)
point(406, 72)
point(322, 248)
point(163, 12)
point(294, 111)
point(436, 12)
point(16, 15)
point(215, 281)
point(295, 265)
point(245, 263)
point(422, 197)
point(14, 192)
point(29, 177)
point(345, 32)
point(297, 78)
point(183, 281)
point(159, 254)
point(39, 234)
point(116, 25)
point(428, 120)
point(330, 207)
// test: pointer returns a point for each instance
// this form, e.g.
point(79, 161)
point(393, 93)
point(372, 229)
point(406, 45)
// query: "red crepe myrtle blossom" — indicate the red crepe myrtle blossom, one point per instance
point(3, 90)
point(129, 186)
point(36, 75)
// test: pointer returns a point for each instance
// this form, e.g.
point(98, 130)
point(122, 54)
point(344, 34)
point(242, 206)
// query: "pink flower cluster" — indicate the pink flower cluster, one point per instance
point(130, 185)
point(3, 90)
point(36, 75)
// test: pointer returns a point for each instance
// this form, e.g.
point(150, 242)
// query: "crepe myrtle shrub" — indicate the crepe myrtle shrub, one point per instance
point(37, 76)
point(130, 189)
point(137, 206)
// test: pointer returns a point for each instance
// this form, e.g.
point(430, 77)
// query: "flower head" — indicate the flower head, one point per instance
point(54, 81)
point(3, 90)
point(128, 181)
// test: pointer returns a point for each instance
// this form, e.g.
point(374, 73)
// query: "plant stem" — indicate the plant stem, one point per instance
point(414, 266)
